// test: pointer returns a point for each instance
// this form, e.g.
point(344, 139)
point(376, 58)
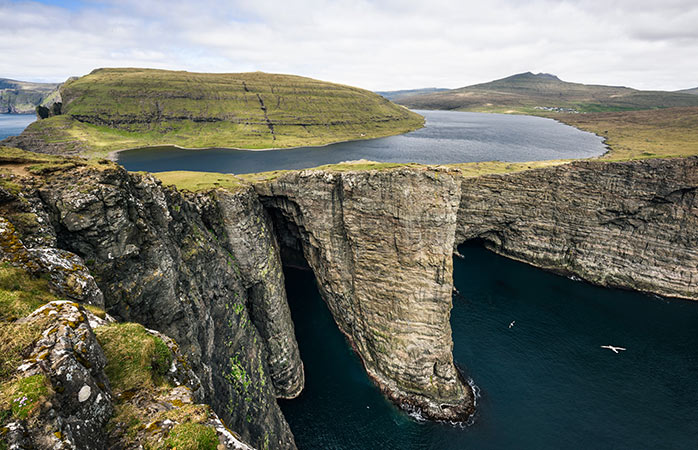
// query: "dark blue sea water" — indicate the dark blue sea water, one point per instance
point(448, 137)
point(545, 383)
point(14, 124)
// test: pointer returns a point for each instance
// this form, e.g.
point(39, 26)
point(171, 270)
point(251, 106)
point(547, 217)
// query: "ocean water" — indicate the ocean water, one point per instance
point(544, 383)
point(448, 137)
point(14, 124)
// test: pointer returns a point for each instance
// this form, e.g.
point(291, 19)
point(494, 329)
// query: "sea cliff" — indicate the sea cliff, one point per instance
point(204, 268)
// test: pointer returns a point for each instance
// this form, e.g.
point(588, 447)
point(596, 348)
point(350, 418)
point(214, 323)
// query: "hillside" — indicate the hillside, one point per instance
point(112, 109)
point(693, 91)
point(395, 96)
point(528, 93)
point(22, 97)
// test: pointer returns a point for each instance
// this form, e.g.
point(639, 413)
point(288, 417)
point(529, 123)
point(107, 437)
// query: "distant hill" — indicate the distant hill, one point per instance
point(113, 109)
point(528, 92)
point(22, 97)
point(693, 91)
point(397, 95)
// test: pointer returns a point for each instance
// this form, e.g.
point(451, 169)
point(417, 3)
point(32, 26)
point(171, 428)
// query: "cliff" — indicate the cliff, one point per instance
point(380, 246)
point(631, 225)
point(22, 97)
point(115, 109)
point(157, 263)
point(204, 268)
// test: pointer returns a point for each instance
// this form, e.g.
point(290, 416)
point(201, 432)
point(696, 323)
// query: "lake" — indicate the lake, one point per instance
point(545, 383)
point(14, 124)
point(448, 137)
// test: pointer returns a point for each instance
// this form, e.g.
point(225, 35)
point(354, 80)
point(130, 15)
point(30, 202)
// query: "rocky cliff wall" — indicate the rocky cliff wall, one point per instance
point(205, 268)
point(631, 225)
point(158, 263)
point(380, 246)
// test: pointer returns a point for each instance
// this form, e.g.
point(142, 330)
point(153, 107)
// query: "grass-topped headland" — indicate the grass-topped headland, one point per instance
point(114, 109)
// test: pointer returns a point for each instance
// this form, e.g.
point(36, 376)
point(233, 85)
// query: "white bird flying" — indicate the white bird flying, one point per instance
point(615, 349)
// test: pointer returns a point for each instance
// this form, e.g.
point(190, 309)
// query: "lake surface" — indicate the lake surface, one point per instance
point(14, 124)
point(448, 137)
point(544, 384)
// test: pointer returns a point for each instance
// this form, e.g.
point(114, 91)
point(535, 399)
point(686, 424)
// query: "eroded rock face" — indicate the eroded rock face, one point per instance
point(631, 225)
point(251, 240)
point(380, 245)
point(158, 264)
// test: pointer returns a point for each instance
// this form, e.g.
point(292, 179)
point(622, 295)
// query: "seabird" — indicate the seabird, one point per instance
point(512, 323)
point(615, 349)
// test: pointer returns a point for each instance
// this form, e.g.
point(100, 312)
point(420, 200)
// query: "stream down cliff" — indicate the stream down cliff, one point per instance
point(205, 268)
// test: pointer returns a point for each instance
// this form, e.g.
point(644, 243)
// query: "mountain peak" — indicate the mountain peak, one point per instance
point(536, 76)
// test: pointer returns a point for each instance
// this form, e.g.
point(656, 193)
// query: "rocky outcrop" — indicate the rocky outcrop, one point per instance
point(77, 402)
point(630, 225)
point(380, 246)
point(67, 273)
point(158, 264)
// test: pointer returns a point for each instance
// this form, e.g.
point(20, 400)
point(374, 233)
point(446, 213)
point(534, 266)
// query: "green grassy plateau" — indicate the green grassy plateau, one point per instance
point(113, 109)
point(22, 97)
point(655, 133)
point(527, 93)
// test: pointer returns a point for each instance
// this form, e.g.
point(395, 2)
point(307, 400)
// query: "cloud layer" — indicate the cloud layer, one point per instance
point(379, 45)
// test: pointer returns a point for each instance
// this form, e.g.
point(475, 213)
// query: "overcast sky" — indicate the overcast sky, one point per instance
point(377, 45)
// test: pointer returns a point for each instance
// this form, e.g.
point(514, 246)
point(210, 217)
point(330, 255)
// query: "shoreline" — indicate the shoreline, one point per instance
point(113, 155)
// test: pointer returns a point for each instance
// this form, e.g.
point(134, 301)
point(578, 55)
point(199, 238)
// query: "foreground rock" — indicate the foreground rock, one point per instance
point(158, 264)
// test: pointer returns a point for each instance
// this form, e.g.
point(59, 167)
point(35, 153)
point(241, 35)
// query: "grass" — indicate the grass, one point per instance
point(137, 359)
point(192, 436)
point(22, 397)
point(657, 133)
point(470, 170)
point(114, 109)
point(21, 293)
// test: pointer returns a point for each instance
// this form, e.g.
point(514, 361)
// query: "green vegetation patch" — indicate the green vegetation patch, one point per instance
point(137, 359)
point(192, 436)
point(477, 169)
point(656, 133)
point(21, 292)
point(21, 398)
point(16, 341)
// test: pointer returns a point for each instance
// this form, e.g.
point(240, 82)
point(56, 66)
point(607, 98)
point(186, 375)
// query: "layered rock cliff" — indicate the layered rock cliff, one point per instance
point(630, 225)
point(380, 246)
point(205, 268)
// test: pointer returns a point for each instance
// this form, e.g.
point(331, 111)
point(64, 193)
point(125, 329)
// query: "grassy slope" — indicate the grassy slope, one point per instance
point(657, 133)
point(112, 109)
point(23, 97)
point(523, 92)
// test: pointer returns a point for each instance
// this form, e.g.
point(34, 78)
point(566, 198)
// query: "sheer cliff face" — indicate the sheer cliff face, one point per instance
point(205, 268)
point(380, 246)
point(631, 225)
point(158, 261)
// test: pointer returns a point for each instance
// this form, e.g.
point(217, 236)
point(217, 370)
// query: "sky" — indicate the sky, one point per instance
point(376, 45)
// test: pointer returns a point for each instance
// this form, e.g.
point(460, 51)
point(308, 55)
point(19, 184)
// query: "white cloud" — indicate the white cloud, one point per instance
point(386, 44)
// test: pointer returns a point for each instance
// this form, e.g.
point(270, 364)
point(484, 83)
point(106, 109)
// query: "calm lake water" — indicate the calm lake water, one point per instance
point(544, 384)
point(448, 137)
point(14, 124)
